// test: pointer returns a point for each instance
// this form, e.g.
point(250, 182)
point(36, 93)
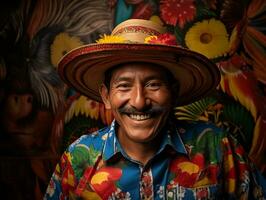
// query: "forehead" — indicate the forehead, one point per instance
point(140, 69)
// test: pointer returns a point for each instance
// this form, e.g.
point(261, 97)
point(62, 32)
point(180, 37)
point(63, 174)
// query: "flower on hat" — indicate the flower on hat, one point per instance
point(177, 11)
point(110, 39)
point(164, 38)
point(208, 37)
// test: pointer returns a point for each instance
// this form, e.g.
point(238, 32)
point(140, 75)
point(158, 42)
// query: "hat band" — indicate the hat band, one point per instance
point(136, 29)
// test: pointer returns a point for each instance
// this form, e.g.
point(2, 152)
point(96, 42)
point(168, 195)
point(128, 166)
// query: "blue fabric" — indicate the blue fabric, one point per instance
point(194, 161)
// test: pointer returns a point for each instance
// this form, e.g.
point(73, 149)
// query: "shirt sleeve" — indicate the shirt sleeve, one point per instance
point(62, 181)
point(242, 180)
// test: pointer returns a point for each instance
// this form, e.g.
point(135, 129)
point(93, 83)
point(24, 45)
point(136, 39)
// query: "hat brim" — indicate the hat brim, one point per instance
point(83, 68)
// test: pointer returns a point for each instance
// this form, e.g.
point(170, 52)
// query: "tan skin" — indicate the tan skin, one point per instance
point(138, 86)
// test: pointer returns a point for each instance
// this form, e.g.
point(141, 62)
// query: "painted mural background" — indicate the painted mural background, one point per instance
point(40, 116)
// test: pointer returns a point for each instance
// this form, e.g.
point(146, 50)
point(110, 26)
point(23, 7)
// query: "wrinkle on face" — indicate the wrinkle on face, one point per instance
point(140, 99)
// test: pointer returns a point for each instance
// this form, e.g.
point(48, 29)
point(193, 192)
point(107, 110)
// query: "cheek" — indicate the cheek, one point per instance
point(163, 98)
point(118, 99)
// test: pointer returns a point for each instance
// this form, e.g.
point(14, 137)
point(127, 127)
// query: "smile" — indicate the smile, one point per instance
point(140, 117)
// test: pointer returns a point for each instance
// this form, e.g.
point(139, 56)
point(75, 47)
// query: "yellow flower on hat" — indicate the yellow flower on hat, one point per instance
point(209, 38)
point(110, 39)
point(149, 38)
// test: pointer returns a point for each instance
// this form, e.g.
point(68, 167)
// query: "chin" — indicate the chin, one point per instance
point(142, 136)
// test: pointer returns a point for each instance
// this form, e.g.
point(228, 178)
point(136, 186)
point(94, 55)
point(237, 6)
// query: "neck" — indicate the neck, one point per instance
point(139, 151)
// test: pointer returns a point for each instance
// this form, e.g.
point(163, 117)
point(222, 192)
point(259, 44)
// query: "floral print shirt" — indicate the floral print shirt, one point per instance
point(194, 161)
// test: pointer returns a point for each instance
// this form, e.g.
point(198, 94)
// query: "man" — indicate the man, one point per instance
point(145, 153)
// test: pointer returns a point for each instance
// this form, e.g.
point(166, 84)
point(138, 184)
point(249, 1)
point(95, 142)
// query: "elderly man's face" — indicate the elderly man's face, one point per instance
point(140, 98)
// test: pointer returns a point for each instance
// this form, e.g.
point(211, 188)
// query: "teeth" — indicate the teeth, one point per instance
point(139, 117)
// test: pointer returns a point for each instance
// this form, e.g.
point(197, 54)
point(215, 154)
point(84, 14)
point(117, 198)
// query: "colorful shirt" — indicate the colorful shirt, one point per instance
point(194, 161)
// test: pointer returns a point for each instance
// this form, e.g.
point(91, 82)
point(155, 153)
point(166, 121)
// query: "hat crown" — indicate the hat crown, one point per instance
point(136, 30)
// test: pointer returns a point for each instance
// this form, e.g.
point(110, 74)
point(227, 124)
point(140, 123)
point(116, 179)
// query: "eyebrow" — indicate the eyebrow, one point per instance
point(119, 79)
point(152, 77)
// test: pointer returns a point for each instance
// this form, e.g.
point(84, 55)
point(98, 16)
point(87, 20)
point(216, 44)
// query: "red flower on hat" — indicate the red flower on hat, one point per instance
point(164, 38)
point(177, 11)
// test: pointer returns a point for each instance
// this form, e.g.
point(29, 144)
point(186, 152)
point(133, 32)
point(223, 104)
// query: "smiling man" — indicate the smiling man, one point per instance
point(146, 153)
point(140, 96)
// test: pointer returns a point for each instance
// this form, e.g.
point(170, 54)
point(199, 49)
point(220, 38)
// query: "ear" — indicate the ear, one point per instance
point(105, 96)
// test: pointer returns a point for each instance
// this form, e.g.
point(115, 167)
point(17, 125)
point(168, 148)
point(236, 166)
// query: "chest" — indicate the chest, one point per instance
point(177, 178)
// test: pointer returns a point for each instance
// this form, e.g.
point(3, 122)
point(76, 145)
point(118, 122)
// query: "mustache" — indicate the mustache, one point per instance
point(153, 110)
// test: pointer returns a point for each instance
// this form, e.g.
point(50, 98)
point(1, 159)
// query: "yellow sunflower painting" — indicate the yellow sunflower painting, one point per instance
point(62, 44)
point(208, 37)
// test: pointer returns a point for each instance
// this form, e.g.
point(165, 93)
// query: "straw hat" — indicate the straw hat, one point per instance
point(83, 68)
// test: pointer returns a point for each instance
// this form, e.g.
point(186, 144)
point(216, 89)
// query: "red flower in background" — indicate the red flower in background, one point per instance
point(177, 11)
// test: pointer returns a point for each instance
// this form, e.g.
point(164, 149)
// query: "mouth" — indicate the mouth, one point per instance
point(139, 117)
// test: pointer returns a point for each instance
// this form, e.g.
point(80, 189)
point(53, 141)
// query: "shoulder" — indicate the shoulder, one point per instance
point(203, 137)
point(93, 140)
point(190, 130)
point(84, 152)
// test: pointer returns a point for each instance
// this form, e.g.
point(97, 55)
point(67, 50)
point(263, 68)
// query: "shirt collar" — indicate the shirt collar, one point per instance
point(173, 139)
point(111, 146)
point(170, 138)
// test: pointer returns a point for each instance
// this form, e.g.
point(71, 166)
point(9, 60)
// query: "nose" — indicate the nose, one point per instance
point(19, 105)
point(138, 98)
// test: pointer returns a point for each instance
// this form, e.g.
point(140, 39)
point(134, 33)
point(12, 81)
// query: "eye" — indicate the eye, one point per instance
point(154, 85)
point(123, 86)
